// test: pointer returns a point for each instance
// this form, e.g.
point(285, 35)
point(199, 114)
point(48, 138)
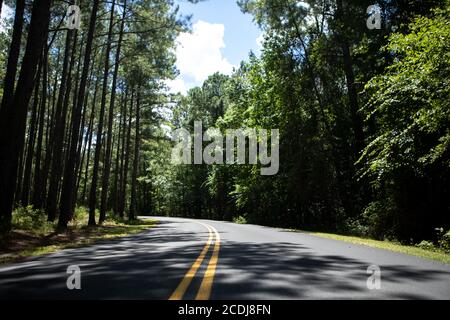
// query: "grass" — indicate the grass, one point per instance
point(433, 254)
point(33, 236)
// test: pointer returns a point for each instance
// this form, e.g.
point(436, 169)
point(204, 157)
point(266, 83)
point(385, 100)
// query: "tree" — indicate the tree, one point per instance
point(13, 116)
point(68, 186)
point(407, 157)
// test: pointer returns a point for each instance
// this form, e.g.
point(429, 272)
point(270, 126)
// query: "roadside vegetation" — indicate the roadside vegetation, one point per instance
point(33, 235)
point(424, 249)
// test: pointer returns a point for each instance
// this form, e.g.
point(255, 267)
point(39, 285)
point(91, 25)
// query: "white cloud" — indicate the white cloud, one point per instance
point(177, 85)
point(199, 56)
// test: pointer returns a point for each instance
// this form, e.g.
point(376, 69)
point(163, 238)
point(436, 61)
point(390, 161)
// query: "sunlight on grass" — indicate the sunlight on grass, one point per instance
point(436, 254)
point(34, 236)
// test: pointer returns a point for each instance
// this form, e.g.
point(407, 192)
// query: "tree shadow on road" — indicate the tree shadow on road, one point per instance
point(292, 271)
point(151, 265)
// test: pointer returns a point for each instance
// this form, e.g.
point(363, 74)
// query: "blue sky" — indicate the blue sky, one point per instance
point(222, 37)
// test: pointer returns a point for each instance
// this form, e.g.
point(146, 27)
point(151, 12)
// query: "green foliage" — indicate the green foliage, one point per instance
point(29, 219)
point(398, 187)
point(426, 245)
point(407, 160)
point(240, 220)
point(443, 239)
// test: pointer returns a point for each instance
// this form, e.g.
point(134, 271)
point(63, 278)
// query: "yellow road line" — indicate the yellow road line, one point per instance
point(205, 288)
point(184, 284)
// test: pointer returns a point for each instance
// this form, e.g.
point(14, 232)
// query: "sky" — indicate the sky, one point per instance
point(6, 12)
point(222, 36)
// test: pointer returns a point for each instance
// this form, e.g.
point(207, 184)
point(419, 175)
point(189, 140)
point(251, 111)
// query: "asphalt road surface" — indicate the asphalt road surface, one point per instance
point(200, 259)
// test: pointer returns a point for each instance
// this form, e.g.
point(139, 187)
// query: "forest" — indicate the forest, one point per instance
point(363, 114)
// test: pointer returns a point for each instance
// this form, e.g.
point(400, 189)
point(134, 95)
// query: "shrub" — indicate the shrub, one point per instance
point(378, 217)
point(30, 219)
point(444, 239)
point(240, 220)
point(427, 245)
point(355, 227)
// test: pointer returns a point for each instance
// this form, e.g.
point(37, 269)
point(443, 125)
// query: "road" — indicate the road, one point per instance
point(200, 259)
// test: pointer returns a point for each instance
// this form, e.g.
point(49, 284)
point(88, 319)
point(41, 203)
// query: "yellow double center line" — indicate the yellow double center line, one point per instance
point(206, 286)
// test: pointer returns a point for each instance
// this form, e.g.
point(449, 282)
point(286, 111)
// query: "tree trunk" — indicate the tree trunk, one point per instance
point(58, 131)
point(26, 183)
point(120, 146)
point(99, 137)
point(13, 56)
point(91, 130)
point(125, 138)
point(133, 207)
point(107, 165)
point(37, 192)
point(67, 193)
point(49, 137)
point(14, 115)
point(126, 156)
point(80, 157)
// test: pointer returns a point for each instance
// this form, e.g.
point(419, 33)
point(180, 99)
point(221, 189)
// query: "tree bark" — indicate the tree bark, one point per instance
point(91, 130)
point(133, 200)
point(14, 115)
point(13, 57)
point(107, 165)
point(59, 130)
point(37, 192)
point(126, 157)
point(67, 192)
point(26, 182)
point(99, 137)
point(120, 146)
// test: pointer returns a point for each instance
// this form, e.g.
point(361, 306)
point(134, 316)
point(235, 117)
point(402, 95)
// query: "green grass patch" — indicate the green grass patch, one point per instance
point(432, 253)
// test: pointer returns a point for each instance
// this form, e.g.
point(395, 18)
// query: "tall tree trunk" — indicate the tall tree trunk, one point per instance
point(49, 137)
point(83, 141)
point(37, 192)
point(67, 193)
point(120, 146)
point(18, 192)
point(107, 165)
point(26, 183)
point(13, 57)
point(59, 130)
point(126, 157)
point(99, 137)
point(14, 115)
point(91, 133)
point(133, 200)
point(120, 207)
